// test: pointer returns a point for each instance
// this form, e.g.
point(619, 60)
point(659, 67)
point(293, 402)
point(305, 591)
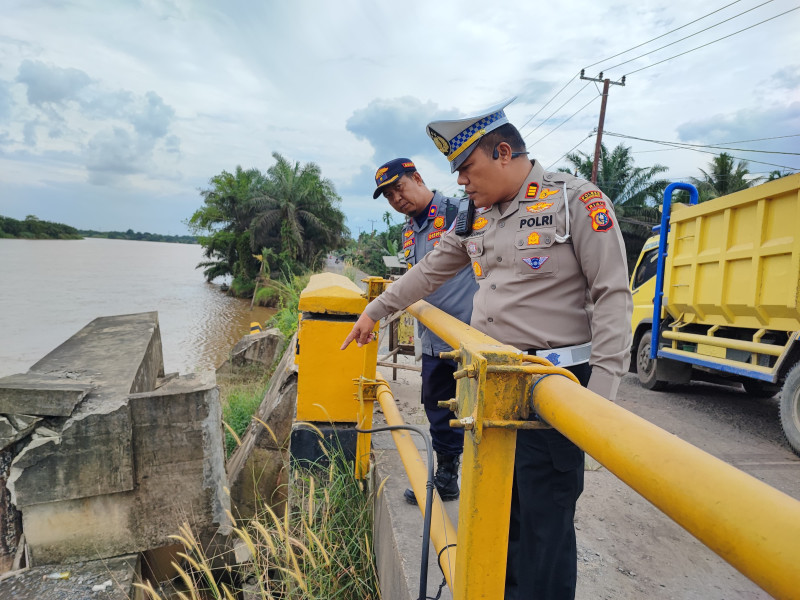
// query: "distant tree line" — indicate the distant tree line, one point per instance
point(32, 228)
point(139, 236)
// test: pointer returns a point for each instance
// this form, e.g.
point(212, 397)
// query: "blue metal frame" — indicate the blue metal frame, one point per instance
point(662, 255)
point(665, 353)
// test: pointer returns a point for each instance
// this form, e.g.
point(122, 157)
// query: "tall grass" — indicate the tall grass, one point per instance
point(321, 549)
point(288, 290)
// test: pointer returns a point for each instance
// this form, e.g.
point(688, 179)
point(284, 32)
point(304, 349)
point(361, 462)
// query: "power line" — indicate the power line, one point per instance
point(663, 34)
point(688, 36)
point(555, 111)
point(549, 101)
point(736, 157)
point(683, 144)
point(714, 41)
point(565, 120)
point(568, 151)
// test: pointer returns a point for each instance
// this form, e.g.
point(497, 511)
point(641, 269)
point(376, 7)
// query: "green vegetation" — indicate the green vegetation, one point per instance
point(34, 229)
point(367, 252)
point(725, 176)
point(139, 236)
point(256, 224)
point(287, 292)
point(635, 191)
point(321, 549)
point(241, 391)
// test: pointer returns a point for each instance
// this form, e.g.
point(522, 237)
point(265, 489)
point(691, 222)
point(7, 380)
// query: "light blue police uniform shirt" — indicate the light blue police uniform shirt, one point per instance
point(455, 296)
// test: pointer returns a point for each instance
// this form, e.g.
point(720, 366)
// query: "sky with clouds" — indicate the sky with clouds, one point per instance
point(113, 115)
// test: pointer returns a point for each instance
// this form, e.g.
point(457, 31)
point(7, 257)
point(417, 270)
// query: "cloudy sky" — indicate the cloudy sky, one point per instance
point(114, 114)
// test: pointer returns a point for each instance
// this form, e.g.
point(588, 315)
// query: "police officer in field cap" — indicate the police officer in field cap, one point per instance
point(429, 215)
point(550, 264)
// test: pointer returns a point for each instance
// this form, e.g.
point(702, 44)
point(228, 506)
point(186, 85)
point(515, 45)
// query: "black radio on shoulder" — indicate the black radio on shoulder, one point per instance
point(466, 212)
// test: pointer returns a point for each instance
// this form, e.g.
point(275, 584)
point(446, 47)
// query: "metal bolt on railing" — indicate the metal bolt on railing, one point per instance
point(452, 404)
point(465, 423)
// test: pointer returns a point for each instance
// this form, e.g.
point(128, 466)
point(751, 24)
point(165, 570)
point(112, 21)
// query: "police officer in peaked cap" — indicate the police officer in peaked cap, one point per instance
point(550, 264)
point(429, 215)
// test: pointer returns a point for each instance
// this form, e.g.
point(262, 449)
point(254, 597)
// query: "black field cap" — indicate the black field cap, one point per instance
point(391, 172)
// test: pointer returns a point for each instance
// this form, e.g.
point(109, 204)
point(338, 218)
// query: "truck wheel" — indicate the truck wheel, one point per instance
point(760, 389)
point(790, 408)
point(646, 366)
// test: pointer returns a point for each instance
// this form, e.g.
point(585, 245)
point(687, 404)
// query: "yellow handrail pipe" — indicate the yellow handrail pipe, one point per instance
point(751, 525)
point(443, 534)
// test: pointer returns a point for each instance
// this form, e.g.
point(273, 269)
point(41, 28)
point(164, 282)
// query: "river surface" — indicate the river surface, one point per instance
point(50, 289)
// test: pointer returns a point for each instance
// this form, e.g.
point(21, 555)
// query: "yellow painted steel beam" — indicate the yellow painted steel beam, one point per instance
point(443, 534)
point(757, 347)
point(450, 329)
point(365, 394)
point(751, 525)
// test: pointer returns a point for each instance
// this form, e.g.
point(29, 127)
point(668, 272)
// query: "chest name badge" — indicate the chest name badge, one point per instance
point(435, 234)
point(539, 221)
point(547, 192)
point(480, 223)
point(535, 262)
point(408, 243)
point(533, 188)
point(438, 222)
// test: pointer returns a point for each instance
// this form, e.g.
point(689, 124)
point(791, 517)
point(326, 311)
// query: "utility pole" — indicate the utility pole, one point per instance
point(372, 222)
point(606, 83)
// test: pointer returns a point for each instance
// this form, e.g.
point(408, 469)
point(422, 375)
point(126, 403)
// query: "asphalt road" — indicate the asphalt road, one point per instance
point(628, 549)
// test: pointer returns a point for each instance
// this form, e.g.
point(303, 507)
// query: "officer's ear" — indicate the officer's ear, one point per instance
point(502, 151)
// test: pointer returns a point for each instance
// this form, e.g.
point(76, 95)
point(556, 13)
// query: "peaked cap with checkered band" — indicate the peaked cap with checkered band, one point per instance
point(457, 139)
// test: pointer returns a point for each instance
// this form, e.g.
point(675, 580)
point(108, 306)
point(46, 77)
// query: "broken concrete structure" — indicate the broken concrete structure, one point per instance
point(108, 456)
point(258, 348)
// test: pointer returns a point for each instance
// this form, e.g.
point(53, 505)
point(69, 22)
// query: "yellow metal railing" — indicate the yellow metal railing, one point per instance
point(748, 523)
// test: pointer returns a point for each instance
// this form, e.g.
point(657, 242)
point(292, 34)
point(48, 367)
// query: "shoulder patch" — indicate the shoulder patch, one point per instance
point(601, 220)
point(590, 195)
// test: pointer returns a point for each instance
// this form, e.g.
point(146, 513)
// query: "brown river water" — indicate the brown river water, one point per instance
point(50, 289)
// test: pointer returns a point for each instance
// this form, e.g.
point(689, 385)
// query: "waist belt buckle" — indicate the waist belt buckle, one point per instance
point(567, 356)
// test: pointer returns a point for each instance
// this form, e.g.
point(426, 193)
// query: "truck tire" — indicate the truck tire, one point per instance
point(790, 408)
point(646, 366)
point(760, 389)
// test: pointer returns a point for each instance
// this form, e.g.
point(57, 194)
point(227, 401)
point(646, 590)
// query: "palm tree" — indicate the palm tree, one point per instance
point(226, 215)
point(298, 214)
point(618, 177)
point(635, 192)
point(726, 176)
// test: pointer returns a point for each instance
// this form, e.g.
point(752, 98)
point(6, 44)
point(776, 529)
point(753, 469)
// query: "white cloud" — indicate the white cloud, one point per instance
point(138, 101)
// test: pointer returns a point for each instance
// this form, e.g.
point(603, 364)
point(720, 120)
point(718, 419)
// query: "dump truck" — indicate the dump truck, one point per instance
point(717, 295)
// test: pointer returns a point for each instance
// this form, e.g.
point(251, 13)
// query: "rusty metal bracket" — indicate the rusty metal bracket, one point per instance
point(367, 389)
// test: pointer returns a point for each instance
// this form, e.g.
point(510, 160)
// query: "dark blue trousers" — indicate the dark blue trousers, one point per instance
point(438, 384)
point(548, 478)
